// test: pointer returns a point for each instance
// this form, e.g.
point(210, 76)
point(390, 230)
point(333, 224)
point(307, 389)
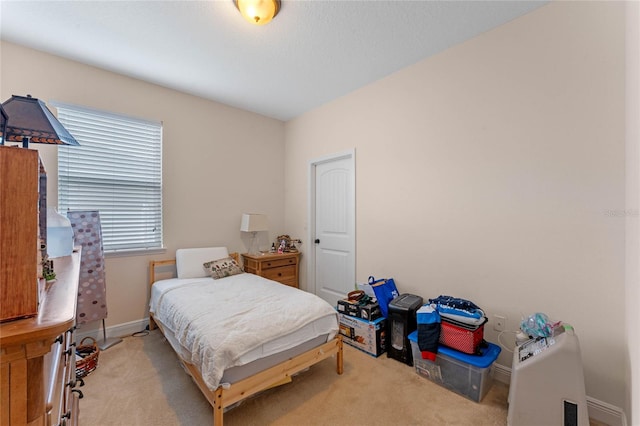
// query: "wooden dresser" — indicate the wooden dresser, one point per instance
point(37, 346)
point(19, 177)
point(278, 267)
point(37, 356)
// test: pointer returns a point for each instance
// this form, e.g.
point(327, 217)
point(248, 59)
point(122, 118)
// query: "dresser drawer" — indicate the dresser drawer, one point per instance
point(277, 263)
point(280, 274)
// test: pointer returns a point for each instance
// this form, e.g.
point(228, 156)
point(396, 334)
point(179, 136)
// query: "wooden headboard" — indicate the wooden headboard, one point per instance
point(153, 264)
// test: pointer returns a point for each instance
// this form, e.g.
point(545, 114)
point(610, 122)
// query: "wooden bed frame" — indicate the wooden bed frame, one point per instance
point(223, 397)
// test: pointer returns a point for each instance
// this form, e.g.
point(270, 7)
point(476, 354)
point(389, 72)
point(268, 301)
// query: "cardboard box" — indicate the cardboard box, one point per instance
point(370, 311)
point(368, 336)
point(347, 308)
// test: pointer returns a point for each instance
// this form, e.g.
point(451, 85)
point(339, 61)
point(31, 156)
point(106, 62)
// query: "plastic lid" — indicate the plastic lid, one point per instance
point(487, 355)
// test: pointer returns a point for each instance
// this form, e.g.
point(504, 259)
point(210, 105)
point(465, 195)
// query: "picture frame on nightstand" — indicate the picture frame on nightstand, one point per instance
point(287, 243)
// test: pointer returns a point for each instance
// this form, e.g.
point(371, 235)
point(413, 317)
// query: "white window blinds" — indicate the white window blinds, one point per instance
point(117, 170)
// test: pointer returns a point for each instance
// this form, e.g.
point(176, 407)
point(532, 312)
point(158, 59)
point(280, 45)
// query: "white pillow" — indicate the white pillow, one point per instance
point(189, 261)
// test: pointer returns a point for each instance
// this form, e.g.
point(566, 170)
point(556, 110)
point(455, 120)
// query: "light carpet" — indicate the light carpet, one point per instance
point(141, 382)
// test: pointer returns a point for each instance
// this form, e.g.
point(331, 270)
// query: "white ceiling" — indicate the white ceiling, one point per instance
point(313, 51)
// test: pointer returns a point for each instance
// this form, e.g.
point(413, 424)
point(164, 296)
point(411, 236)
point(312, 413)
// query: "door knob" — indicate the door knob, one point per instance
point(317, 241)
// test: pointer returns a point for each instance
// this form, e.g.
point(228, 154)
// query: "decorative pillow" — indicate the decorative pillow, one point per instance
point(222, 268)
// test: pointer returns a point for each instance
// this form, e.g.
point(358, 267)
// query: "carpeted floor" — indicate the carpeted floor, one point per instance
point(141, 382)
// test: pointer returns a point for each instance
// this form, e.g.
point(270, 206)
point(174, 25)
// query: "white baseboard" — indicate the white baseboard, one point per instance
point(598, 410)
point(501, 373)
point(606, 413)
point(116, 331)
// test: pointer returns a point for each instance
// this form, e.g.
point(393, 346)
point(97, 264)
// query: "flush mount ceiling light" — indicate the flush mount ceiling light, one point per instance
point(258, 12)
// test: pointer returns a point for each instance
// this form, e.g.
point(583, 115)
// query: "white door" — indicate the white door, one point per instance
point(333, 226)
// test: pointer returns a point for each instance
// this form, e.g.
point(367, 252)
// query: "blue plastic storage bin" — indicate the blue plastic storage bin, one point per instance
point(468, 375)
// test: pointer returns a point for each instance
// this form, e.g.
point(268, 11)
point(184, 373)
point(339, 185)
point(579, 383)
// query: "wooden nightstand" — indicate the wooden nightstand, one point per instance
point(278, 267)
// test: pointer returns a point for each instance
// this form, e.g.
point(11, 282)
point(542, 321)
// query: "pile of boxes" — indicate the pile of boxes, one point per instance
point(364, 327)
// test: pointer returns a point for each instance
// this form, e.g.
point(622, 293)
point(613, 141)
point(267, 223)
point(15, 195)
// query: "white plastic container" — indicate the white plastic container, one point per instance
point(468, 375)
point(59, 234)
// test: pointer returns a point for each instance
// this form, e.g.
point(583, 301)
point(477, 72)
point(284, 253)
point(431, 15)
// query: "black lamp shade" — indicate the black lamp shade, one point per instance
point(30, 119)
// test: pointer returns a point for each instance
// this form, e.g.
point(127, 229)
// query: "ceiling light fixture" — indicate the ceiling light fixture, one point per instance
point(258, 12)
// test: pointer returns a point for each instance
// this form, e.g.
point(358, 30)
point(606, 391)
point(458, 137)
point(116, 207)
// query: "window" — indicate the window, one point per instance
point(117, 170)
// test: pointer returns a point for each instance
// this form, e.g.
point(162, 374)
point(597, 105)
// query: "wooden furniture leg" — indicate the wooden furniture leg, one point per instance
point(218, 409)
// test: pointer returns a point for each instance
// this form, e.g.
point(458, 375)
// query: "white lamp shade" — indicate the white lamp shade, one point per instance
point(253, 222)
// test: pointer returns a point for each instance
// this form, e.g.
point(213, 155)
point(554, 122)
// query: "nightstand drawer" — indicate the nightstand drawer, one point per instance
point(278, 267)
point(280, 274)
point(290, 282)
point(277, 263)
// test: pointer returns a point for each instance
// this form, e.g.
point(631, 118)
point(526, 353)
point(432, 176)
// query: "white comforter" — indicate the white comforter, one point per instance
point(218, 321)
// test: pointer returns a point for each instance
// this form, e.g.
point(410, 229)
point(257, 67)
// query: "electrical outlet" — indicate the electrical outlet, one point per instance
point(499, 322)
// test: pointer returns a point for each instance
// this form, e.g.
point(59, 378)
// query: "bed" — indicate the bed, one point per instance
point(238, 334)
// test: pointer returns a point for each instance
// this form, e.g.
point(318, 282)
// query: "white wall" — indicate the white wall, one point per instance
point(633, 205)
point(218, 161)
point(494, 171)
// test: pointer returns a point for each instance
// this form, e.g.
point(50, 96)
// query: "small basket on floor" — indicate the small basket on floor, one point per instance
point(87, 357)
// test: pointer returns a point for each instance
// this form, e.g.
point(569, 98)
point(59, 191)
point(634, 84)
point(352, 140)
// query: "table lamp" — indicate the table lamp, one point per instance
point(28, 119)
point(253, 223)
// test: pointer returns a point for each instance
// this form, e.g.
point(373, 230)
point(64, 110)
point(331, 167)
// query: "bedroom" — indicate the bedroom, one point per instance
point(492, 170)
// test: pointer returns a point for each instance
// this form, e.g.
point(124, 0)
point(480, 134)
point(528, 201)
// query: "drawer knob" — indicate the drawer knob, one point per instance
point(268, 263)
point(279, 274)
